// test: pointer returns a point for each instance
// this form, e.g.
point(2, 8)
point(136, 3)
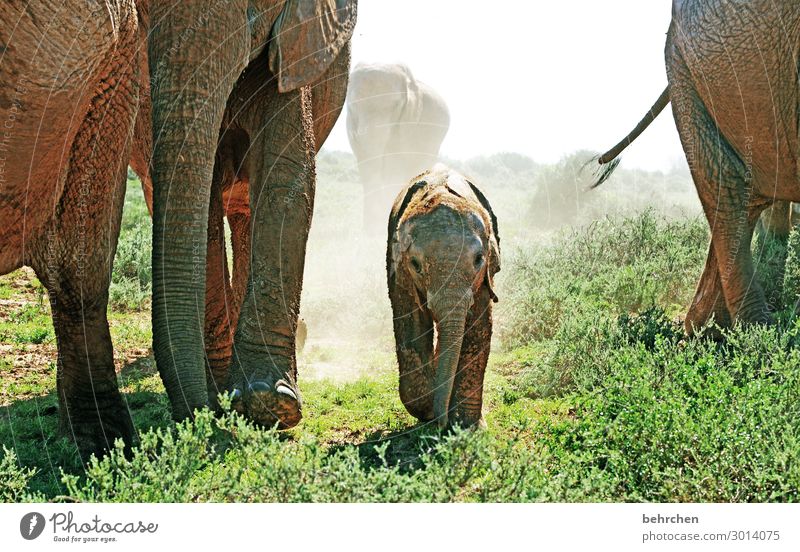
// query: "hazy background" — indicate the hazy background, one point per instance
point(540, 78)
point(534, 89)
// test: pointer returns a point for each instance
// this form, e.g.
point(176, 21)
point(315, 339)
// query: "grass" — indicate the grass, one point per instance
point(592, 393)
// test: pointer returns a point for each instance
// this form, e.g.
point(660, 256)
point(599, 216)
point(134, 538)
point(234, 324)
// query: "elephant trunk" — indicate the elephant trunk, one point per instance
point(450, 313)
point(187, 113)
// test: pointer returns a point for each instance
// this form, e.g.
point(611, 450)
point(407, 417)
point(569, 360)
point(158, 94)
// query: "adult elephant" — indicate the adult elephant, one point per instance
point(68, 104)
point(230, 196)
point(68, 97)
point(395, 125)
point(243, 67)
point(733, 86)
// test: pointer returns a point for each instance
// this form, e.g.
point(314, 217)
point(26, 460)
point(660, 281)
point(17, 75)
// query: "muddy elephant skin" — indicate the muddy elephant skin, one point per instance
point(250, 102)
point(732, 72)
point(246, 69)
point(69, 91)
point(78, 97)
point(442, 254)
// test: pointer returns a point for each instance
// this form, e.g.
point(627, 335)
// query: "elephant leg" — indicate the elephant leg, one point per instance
point(709, 300)
point(240, 243)
point(220, 322)
point(725, 187)
point(777, 219)
point(281, 176)
point(466, 403)
point(413, 333)
point(75, 267)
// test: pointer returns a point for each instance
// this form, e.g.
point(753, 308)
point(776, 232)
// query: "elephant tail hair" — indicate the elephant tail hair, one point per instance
point(609, 160)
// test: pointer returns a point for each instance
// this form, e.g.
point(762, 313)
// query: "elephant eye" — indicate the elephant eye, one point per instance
point(478, 260)
point(416, 265)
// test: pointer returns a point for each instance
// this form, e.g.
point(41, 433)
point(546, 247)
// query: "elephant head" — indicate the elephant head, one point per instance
point(443, 254)
point(197, 52)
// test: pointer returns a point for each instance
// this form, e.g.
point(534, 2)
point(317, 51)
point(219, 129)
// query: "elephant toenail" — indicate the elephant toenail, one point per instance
point(285, 390)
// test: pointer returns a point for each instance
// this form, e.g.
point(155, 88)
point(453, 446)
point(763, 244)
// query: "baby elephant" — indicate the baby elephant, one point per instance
point(442, 255)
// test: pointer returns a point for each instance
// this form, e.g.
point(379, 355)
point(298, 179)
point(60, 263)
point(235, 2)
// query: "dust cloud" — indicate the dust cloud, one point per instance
point(345, 302)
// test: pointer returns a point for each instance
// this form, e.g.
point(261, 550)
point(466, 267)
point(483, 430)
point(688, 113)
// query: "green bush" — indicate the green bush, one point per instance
point(613, 266)
point(651, 421)
point(769, 260)
point(694, 423)
point(227, 459)
point(132, 272)
point(14, 479)
point(791, 276)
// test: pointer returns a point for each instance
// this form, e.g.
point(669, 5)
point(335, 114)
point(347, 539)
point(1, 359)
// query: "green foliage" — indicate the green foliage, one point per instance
point(29, 323)
point(613, 266)
point(791, 276)
point(132, 273)
point(657, 422)
point(14, 479)
point(593, 394)
point(770, 260)
point(227, 459)
point(695, 423)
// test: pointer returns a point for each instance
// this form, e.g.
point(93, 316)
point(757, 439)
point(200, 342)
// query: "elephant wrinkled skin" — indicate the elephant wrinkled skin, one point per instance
point(443, 252)
point(240, 95)
point(243, 67)
point(732, 71)
point(69, 73)
point(230, 198)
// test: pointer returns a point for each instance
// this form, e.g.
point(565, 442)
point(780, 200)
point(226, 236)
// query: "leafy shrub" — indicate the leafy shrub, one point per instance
point(791, 277)
point(132, 273)
point(14, 479)
point(228, 459)
point(769, 260)
point(697, 423)
point(613, 266)
point(649, 327)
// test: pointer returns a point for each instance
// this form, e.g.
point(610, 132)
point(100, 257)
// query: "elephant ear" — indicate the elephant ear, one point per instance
point(494, 241)
point(307, 37)
point(397, 243)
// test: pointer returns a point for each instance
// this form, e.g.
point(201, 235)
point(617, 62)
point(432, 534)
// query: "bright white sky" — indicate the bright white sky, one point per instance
point(535, 77)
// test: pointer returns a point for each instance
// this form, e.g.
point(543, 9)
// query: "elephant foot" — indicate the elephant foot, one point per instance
point(466, 420)
point(707, 314)
point(269, 405)
point(95, 433)
point(757, 317)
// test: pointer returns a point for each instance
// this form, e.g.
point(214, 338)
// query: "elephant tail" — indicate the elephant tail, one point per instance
point(610, 158)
